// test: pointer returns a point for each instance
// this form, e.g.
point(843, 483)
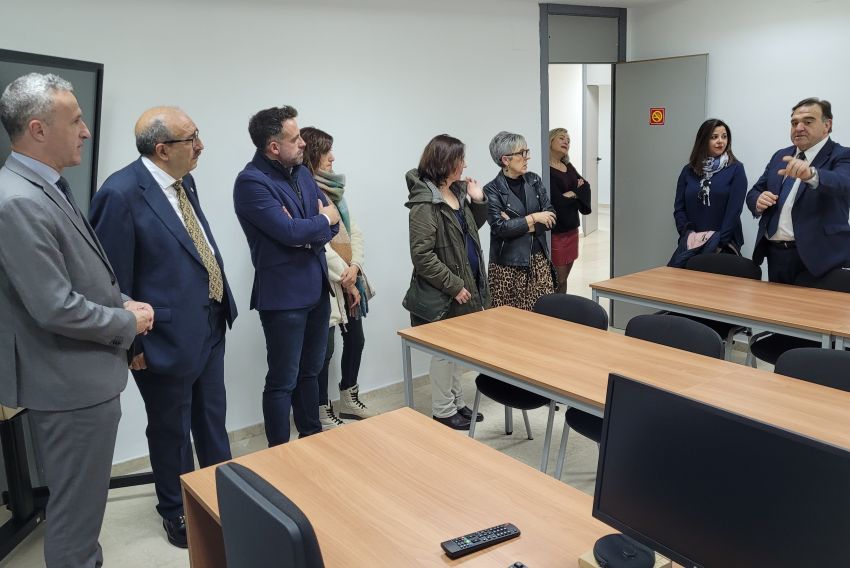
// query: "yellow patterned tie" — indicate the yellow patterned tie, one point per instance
point(194, 230)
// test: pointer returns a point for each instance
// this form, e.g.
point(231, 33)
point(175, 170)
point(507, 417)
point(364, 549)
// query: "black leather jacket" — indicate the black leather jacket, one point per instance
point(510, 241)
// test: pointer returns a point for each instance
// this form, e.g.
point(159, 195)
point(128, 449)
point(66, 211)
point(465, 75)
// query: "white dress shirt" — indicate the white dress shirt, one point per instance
point(785, 230)
point(166, 183)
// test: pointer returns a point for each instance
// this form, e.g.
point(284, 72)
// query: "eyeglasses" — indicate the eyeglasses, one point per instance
point(193, 139)
point(524, 153)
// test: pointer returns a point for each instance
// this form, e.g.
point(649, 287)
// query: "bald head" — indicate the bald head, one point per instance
point(168, 137)
point(156, 125)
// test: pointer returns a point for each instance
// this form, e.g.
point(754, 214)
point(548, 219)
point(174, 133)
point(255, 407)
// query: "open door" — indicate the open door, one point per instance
point(650, 149)
point(590, 168)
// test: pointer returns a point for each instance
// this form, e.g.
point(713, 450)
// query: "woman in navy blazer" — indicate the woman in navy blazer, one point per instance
point(710, 196)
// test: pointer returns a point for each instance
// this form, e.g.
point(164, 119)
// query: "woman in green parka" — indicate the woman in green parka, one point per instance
point(449, 276)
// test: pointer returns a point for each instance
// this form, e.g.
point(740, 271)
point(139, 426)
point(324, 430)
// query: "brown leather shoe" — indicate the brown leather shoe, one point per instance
point(455, 421)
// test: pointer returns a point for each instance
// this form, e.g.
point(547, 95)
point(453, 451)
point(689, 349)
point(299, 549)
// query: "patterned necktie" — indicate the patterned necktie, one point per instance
point(197, 236)
point(785, 190)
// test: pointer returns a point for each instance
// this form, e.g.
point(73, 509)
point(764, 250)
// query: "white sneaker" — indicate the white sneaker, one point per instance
point(351, 407)
point(328, 418)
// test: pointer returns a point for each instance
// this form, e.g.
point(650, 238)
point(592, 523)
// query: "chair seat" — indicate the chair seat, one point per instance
point(770, 347)
point(587, 425)
point(722, 328)
point(509, 395)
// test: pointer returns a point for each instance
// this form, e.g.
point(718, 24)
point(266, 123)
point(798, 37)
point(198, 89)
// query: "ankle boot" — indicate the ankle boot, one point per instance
point(328, 418)
point(350, 405)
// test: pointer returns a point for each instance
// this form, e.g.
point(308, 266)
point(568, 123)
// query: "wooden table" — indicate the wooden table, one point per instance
point(570, 363)
point(810, 313)
point(386, 491)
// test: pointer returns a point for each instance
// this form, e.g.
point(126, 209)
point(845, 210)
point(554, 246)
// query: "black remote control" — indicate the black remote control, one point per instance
point(473, 542)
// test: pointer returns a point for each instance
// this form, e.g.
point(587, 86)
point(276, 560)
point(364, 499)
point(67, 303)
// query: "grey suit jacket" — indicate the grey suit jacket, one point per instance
point(63, 332)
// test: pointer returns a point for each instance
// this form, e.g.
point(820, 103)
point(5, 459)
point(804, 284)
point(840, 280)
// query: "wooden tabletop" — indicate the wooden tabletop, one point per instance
point(574, 361)
point(810, 309)
point(386, 491)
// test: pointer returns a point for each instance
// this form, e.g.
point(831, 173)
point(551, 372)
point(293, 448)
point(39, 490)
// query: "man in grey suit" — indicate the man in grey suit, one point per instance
point(64, 326)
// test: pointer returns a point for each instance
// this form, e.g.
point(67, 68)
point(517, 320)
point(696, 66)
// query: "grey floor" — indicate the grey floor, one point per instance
point(132, 535)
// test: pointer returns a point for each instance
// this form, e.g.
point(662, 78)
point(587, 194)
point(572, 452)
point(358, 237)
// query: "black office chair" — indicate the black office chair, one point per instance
point(728, 265)
point(825, 367)
point(768, 346)
point(670, 330)
point(567, 307)
point(262, 528)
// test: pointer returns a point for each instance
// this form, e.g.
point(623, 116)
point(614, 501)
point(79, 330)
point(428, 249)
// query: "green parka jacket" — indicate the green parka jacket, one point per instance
point(438, 251)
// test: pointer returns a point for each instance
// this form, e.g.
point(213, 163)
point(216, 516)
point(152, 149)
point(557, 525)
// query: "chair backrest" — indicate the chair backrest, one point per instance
point(728, 264)
point(262, 528)
point(826, 367)
point(676, 331)
point(837, 280)
point(572, 308)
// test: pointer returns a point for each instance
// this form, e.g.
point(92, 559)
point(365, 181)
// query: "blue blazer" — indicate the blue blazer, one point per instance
point(728, 189)
point(286, 235)
point(157, 262)
point(820, 215)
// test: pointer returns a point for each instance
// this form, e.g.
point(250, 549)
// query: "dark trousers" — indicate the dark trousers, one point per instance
point(296, 341)
point(784, 264)
point(76, 451)
point(182, 409)
point(353, 341)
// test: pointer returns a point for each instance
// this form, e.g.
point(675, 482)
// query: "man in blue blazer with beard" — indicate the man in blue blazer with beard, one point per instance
point(287, 221)
point(803, 201)
point(149, 219)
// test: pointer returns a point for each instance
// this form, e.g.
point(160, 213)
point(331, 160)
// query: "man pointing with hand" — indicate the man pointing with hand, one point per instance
point(803, 201)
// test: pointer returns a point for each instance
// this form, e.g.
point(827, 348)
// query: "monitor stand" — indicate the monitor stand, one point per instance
point(620, 551)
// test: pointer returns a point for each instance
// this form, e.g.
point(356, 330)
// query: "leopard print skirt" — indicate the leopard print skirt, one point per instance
point(520, 286)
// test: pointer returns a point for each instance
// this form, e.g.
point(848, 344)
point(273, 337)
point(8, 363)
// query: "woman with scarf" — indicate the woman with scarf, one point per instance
point(351, 290)
point(709, 196)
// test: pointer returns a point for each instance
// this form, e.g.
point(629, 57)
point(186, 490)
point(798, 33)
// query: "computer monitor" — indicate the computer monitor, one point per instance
point(708, 488)
point(262, 528)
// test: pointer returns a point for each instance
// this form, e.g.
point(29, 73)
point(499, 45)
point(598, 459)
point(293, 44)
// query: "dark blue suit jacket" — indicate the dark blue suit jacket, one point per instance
point(286, 235)
point(820, 215)
point(157, 262)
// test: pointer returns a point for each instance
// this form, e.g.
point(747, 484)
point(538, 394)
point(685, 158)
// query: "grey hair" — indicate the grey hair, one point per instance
point(29, 97)
point(154, 133)
point(505, 143)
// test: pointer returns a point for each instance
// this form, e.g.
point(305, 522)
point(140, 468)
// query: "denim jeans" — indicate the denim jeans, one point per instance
point(296, 341)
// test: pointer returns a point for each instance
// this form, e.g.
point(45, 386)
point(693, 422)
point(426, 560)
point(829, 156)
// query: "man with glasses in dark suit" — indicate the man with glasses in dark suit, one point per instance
point(149, 218)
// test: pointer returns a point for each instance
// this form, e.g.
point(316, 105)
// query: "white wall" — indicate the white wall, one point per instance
point(764, 56)
point(382, 78)
point(566, 109)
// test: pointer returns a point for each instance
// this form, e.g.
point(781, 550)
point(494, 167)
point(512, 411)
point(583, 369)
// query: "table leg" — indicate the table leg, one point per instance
point(206, 542)
point(408, 373)
point(839, 343)
point(826, 341)
point(594, 295)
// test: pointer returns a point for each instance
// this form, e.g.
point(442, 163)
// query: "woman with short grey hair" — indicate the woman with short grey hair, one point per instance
point(519, 214)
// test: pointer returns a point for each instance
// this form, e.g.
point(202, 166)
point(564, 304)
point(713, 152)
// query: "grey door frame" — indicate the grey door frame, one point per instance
point(547, 10)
